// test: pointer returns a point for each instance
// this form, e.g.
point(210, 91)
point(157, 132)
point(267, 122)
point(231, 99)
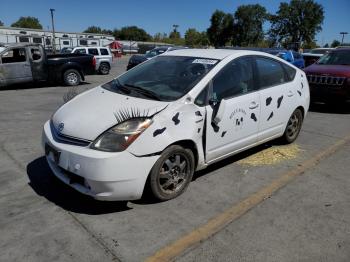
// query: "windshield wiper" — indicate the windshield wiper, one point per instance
point(144, 92)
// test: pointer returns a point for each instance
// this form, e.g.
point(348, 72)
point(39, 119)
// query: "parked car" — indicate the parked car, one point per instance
point(176, 113)
point(102, 55)
point(292, 57)
point(21, 63)
point(329, 77)
point(138, 59)
point(315, 54)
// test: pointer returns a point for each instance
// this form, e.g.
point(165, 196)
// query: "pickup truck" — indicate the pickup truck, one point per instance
point(26, 62)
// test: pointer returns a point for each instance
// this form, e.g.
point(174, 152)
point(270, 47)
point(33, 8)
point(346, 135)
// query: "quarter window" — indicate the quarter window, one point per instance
point(234, 79)
point(270, 71)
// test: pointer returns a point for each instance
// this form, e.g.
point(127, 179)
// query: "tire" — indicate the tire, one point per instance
point(293, 127)
point(104, 68)
point(71, 77)
point(172, 173)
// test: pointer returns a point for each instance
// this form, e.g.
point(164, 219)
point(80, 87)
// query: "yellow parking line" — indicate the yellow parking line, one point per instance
point(200, 234)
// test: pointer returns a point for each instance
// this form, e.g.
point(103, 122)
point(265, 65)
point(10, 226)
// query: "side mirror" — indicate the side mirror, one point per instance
point(219, 113)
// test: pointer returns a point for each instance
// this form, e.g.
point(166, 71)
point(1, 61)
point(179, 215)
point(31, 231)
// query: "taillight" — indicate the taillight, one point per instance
point(94, 61)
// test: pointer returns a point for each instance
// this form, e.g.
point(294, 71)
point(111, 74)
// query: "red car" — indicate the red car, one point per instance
point(329, 77)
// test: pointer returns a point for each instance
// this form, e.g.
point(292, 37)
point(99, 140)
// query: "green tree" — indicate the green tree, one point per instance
point(28, 22)
point(1, 23)
point(335, 43)
point(297, 22)
point(221, 28)
point(193, 38)
point(131, 33)
point(93, 29)
point(326, 45)
point(248, 26)
point(159, 37)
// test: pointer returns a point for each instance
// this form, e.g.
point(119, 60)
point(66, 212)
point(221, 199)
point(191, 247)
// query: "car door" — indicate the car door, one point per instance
point(15, 66)
point(276, 97)
point(236, 88)
point(94, 52)
point(37, 61)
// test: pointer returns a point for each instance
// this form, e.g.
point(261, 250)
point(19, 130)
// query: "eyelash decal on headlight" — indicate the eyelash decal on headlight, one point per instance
point(129, 113)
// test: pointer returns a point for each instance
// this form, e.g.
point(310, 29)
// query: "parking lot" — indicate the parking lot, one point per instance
point(245, 208)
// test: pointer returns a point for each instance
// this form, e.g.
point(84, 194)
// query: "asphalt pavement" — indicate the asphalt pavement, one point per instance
point(305, 218)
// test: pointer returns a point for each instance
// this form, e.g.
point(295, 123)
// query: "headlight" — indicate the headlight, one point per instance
point(119, 137)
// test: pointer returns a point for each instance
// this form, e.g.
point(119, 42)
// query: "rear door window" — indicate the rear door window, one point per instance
point(80, 51)
point(104, 51)
point(270, 72)
point(93, 51)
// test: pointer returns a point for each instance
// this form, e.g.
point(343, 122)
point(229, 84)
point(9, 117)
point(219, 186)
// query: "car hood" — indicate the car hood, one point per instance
point(91, 113)
point(137, 59)
point(334, 70)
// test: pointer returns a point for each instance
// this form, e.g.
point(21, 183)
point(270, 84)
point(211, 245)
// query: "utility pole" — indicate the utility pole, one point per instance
point(175, 27)
point(343, 33)
point(53, 32)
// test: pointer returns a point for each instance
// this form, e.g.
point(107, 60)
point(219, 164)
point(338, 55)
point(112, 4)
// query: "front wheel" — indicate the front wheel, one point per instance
point(172, 173)
point(293, 127)
point(71, 77)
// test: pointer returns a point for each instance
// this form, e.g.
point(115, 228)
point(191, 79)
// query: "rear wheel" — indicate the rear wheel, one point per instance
point(104, 69)
point(71, 77)
point(293, 127)
point(172, 173)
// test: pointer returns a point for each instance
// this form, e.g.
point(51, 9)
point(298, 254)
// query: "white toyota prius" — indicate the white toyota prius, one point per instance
point(156, 124)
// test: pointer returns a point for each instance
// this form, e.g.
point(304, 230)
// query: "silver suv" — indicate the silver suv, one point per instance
point(102, 55)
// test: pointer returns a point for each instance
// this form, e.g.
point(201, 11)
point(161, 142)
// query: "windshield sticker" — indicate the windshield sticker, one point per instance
point(205, 61)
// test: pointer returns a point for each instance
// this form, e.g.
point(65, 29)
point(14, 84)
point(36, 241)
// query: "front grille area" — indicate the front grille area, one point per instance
point(326, 80)
point(60, 138)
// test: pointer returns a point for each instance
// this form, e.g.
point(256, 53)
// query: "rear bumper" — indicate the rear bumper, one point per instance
point(101, 175)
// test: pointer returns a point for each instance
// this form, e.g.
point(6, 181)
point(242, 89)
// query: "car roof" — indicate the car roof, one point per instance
point(212, 53)
point(19, 44)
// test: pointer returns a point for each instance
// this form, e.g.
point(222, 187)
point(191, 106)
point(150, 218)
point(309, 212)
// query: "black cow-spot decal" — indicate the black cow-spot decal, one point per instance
point(299, 92)
point(223, 133)
point(199, 129)
point(239, 121)
point(268, 101)
point(159, 131)
point(270, 116)
point(302, 85)
point(279, 101)
point(176, 118)
point(198, 113)
point(200, 120)
point(215, 127)
point(253, 116)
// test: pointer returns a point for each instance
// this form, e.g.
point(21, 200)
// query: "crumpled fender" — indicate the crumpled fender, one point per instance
point(177, 122)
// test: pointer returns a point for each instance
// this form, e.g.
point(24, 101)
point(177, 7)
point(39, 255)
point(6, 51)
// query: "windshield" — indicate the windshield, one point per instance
point(155, 52)
point(319, 51)
point(164, 78)
point(335, 58)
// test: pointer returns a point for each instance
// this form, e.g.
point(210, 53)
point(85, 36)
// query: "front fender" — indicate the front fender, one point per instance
point(182, 122)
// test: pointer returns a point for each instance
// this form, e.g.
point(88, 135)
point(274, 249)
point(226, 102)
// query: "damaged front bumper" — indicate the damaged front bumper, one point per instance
point(101, 175)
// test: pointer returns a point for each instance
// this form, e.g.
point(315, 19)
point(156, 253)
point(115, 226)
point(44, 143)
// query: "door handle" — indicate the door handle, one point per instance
point(290, 93)
point(253, 105)
point(26, 65)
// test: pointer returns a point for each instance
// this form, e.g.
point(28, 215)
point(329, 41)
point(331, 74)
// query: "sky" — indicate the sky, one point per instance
point(157, 15)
